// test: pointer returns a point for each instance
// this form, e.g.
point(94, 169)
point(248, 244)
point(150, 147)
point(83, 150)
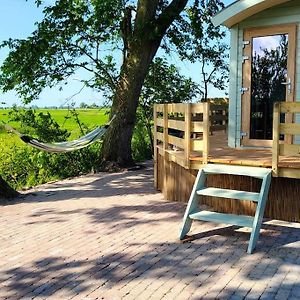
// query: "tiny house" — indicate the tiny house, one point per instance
point(263, 116)
point(264, 66)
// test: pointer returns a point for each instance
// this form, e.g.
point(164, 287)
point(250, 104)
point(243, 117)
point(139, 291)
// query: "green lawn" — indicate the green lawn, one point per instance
point(90, 117)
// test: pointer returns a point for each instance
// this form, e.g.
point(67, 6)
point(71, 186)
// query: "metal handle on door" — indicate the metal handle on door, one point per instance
point(289, 85)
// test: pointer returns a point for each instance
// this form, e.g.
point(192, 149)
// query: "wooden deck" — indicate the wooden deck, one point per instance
point(219, 152)
point(188, 136)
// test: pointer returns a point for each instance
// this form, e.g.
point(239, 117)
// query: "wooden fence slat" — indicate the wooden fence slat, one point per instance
point(187, 135)
point(275, 147)
point(197, 108)
point(176, 141)
point(197, 145)
point(155, 145)
point(290, 128)
point(197, 127)
point(287, 149)
point(176, 107)
point(159, 122)
point(290, 107)
point(160, 136)
point(159, 107)
point(175, 124)
point(206, 133)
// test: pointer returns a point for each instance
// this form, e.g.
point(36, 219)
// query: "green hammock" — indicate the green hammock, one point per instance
point(61, 147)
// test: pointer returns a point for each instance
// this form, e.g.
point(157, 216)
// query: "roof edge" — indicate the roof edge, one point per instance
point(241, 10)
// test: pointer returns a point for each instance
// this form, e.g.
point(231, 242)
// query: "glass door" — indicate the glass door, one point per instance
point(268, 77)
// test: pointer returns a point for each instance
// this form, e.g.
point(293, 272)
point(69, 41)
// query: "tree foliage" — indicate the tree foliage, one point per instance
point(113, 42)
point(197, 40)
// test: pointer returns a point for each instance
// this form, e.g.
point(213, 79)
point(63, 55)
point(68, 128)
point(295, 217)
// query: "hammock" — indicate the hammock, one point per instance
point(61, 147)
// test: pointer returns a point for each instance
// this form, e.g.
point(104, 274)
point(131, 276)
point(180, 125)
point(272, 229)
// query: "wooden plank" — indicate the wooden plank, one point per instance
point(289, 173)
point(275, 146)
point(178, 125)
point(178, 142)
point(291, 128)
point(246, 83)
point(155, 145)
point(187, 135)
point(160, 122)
point(197, 108)
point(160, 136)
point(205, 132)
point(228, 193)
point(165, 143)
point(236, 170)
point(176, 107)
point(290, 107)
point(159, 107)
point(177, 157)
point(197, 127)
point(244, 221)
point(287, 149)
point(197, 145)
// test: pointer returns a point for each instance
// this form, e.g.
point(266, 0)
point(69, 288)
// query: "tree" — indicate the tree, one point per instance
point(6, 191)
point(163, 84)
point(78, 34)
point(198, 40)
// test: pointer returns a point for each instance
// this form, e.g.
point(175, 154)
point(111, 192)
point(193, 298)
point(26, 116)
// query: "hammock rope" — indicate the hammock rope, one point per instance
point(62, 147)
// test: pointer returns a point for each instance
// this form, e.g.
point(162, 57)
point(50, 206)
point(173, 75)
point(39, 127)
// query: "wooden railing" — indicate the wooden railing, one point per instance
point(284, 139)
point(183, 129)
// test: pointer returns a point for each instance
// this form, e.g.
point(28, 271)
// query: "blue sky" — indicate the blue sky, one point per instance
point(17, 18)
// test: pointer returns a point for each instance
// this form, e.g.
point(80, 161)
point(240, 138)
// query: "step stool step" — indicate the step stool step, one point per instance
point(203, 215)
point(226, 193)
point(255, 172)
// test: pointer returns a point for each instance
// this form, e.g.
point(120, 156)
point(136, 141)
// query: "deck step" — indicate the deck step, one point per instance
point(255, 172)
point(192, 211)
point(225, 193)
point(243, 221)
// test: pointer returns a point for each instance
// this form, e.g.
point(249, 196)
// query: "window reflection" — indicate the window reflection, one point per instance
point(268, 71)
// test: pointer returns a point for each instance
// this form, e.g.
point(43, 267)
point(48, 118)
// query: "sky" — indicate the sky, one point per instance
point(17, 20)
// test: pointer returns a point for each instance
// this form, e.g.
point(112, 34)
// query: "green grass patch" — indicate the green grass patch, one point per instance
point(22, 166)
point(89, 117)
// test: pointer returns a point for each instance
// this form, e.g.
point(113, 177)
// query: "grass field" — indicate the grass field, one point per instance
point(90, 117)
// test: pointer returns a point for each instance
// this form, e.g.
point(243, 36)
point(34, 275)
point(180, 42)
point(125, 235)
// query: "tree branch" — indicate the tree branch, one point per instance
point(110, 80)
point(170, 13)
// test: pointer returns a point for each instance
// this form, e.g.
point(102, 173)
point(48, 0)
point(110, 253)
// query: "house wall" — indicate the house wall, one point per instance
point(282, 14)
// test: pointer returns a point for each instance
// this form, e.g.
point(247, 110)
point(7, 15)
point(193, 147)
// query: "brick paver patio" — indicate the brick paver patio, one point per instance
point(112, 236)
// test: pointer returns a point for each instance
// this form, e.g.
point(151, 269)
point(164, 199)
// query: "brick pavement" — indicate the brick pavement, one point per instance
point(112, 236)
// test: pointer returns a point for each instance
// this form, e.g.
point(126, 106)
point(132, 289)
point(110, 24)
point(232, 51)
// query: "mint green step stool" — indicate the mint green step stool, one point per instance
point(194, 213)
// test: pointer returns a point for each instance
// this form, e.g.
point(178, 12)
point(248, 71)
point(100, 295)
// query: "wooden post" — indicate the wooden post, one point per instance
point(187, 135)
point(165, 151)
point(275, 148)
point(155, 145)
point(206, 128)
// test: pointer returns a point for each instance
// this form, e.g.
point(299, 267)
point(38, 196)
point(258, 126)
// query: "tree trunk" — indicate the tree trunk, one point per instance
point(141, 46)
point(117, 142)
point(6, 191)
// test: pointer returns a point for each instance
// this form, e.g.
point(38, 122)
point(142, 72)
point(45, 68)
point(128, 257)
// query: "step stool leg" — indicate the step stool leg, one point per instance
point(192, 204)
point(259, 214)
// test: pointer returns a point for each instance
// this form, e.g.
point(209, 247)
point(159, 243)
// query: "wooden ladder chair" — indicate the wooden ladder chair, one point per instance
point(194, 213)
